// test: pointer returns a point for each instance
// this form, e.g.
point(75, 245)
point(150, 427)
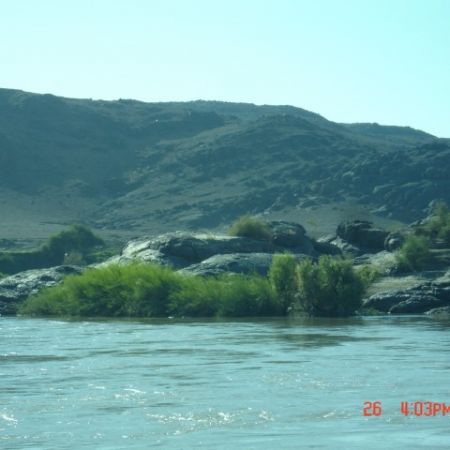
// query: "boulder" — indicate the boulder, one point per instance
point(394, 241)
point(323, 246)
point(181, 249)
point(362, 234)
point(417, 304)
point(440, 313)
point(415, 300)
point(245, 263)
point(16, 288)
point(384, 301)
point(291, 235)
point(344, 246)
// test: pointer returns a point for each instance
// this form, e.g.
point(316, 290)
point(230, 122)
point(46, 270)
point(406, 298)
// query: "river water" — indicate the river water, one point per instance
point(255, 384)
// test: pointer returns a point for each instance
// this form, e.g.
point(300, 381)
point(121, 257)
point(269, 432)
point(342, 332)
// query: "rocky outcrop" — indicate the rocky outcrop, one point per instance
point(440, 313)
point(394, 241)
point(182, 249)
point(16, 288)
point(291, 235)
point(416, 300)
point(245, 263)
point(362, 234)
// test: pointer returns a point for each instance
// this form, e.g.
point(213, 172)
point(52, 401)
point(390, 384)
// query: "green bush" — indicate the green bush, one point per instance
point(414, 254)
point(282, 276)
point(251, 227)
point(77, 240)
point(131, 291)
point(368, 274)
point(437, 226)
point(329, 288)
point(141, 290)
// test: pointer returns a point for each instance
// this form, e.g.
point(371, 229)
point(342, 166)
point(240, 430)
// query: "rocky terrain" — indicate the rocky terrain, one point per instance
point(131, 168)
point(200, 254)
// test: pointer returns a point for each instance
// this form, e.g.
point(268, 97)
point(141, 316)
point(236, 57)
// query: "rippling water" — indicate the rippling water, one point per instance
point(272, 384)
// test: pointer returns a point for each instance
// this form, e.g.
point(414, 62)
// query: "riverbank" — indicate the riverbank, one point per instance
point(203, 275)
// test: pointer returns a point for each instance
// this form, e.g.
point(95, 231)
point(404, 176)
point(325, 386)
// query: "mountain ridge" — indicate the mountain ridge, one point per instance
point(134, 166)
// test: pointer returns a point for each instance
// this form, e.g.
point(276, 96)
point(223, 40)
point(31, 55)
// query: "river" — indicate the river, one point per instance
point(254, 384)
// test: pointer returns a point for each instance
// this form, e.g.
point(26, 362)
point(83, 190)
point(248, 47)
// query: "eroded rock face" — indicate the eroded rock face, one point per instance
point(416, 300)
point(394, 241)
point(181, 249)
point(440, 313)
point(16, 288)
point(362, 234)
point(291, 235)
point(245, 263)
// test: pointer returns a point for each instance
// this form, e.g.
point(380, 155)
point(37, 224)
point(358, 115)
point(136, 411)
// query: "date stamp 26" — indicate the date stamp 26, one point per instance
point(418, 408)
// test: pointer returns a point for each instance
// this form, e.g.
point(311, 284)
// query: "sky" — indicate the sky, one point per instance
point(384, 61)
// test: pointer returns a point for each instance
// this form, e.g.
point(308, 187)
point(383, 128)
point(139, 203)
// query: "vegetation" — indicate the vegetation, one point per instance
point(330, 288)
point(141, 290)
point(282, 276)
point(438, 225)
point(77, 244)
point(251, 227)
point(327, 288)
point(414, 254)
point(368, 274)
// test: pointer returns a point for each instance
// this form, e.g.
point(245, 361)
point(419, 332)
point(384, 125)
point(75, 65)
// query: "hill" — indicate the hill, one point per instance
point(131, 167)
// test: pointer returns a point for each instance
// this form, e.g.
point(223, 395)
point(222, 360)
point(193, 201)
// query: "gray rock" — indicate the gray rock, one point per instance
point(16, 288)
point(291, 235)
point(182, 249)
point(417, 304)
point(394, 241)
point(346, 247)
point(362, 234)
point(384, 301)
point(245, 263)
point(326, 247)
point(415, 300)
point(441, 313)
point(443, 281)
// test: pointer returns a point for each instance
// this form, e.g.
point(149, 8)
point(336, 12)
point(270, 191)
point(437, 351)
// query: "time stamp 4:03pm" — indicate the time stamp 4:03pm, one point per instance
point(418, 408)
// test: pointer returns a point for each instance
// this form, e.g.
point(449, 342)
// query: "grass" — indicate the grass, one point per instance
point(251, 227)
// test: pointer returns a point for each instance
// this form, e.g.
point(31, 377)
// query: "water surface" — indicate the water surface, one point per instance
point(256, 384)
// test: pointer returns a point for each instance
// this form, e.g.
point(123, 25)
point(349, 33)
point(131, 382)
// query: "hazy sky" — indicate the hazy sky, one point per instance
point(385, 61)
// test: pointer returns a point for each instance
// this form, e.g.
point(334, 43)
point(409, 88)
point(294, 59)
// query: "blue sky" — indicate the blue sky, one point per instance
point(351, 61)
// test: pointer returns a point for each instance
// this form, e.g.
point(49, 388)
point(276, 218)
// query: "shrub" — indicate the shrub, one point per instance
point(368, 274)
point(329, 288)
point(437, 225)
point(141, 290)
point(136, 290)
point(282, 276)
point(414, 254)
point(246, 296)
point(76, 240)
point(251, 227)
point(74, 258)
